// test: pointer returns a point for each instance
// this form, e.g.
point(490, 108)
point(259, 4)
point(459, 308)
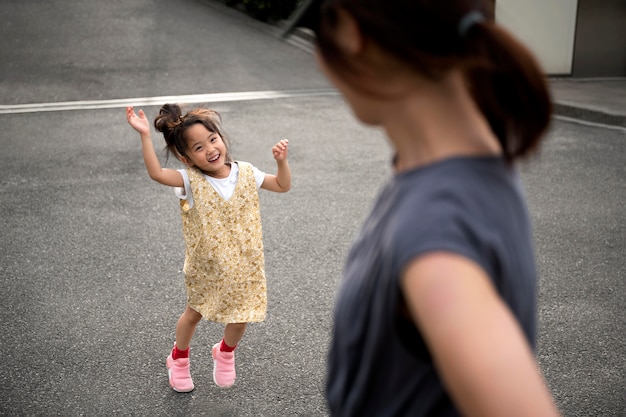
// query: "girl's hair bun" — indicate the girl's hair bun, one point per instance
point(168, 117)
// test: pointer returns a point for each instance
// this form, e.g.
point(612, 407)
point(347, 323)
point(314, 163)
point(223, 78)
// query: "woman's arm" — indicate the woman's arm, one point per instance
point(477, 345)
point(281, 182)
point(161, 175)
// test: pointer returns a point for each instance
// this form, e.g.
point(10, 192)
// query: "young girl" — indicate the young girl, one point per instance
point(436, 313)
point(224, 263)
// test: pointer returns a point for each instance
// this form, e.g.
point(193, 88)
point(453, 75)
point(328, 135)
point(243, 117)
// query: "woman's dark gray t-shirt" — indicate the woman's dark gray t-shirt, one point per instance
point(378, 363)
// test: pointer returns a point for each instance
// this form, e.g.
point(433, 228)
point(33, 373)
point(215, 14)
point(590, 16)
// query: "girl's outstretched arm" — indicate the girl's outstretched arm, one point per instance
point(281, 182)
point(476, 343)
point(161, 175)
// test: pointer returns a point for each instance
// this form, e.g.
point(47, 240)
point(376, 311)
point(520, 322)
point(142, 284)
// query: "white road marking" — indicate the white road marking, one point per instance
point(206, 98)
point(157, 101)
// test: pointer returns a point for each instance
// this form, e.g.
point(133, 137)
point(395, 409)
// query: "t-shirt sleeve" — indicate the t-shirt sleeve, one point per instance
point(184, 193)
point(259, 176)
point(447, 228)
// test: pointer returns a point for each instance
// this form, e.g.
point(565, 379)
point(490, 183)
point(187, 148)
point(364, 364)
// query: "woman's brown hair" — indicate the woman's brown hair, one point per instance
point(433, 37)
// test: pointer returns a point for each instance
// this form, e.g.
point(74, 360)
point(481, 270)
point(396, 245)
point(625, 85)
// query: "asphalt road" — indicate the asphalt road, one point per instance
point(91, 249)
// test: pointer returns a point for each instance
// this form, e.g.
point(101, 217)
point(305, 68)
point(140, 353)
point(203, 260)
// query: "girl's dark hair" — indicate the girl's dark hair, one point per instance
point(172, 123)
point(503, 76)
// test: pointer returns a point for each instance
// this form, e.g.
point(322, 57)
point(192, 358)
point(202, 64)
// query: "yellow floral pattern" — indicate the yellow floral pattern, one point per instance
point(224, 262)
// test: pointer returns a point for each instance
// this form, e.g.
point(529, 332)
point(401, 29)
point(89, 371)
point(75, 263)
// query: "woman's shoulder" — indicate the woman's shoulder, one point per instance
point(456, 179)
point(458, 196)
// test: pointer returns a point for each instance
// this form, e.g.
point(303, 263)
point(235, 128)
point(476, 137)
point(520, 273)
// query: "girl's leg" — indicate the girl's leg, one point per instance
point(186, 327)
point(223, 356)
point(178, 361)
point(233, 333)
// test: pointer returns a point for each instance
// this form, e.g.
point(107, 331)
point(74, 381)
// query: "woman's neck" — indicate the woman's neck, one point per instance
point(437, 121)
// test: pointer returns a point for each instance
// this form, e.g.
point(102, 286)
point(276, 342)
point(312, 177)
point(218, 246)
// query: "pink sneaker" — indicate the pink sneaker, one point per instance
point(178, 374)
point(223, 367)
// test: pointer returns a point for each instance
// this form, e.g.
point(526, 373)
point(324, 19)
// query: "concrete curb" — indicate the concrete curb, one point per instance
point(580, 112)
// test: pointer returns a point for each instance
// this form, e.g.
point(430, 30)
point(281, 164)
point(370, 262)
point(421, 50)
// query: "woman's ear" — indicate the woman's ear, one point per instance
point(348, 34)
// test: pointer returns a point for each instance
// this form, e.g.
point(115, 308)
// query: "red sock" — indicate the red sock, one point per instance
point(177, 353)
point(225, 348)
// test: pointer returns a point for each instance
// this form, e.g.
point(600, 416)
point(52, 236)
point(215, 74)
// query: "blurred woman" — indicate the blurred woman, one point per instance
point(436, 313)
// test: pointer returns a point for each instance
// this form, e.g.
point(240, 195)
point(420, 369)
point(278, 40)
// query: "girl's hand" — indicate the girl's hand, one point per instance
point(280, 150)
point(281, 182)
point(139, 123)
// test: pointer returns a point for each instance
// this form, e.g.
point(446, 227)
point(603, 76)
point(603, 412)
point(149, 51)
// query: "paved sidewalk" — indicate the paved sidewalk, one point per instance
point(598, 100)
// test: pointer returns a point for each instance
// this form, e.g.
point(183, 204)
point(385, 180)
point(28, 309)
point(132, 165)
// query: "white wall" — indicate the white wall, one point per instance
point(547, 27)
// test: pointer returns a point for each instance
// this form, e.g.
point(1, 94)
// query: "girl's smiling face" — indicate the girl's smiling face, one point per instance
point(206, 151)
